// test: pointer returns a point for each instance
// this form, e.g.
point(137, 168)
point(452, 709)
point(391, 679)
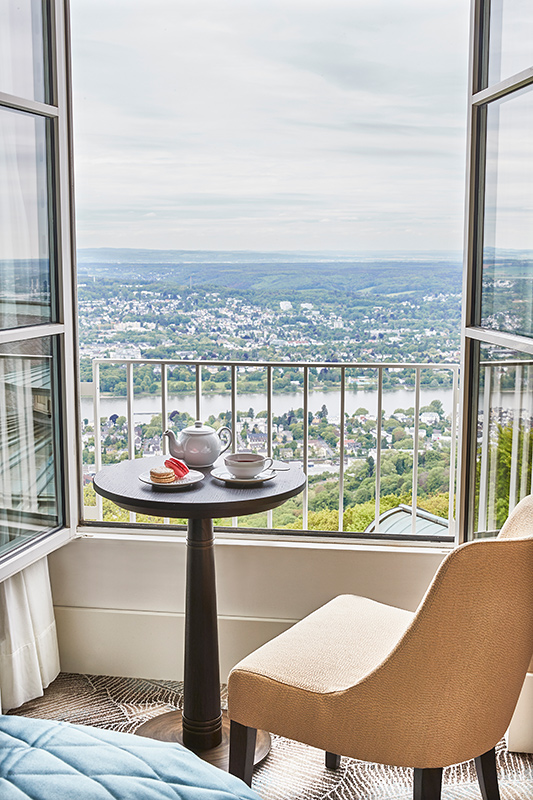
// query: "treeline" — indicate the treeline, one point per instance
point(273, 278)
point(182, 379)
point(290, 516)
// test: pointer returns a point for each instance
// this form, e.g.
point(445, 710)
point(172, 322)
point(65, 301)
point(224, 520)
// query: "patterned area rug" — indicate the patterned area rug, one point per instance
point(292, 771)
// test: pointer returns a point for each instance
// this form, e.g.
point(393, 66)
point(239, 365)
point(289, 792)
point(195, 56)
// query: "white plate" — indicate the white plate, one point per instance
point(193, 476)
point(223, 475)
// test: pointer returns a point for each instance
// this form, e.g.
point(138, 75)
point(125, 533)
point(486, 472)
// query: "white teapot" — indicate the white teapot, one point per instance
point(198, 445)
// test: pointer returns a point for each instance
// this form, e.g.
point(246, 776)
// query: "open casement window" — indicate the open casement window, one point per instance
point(37, 363)
point(497, 441)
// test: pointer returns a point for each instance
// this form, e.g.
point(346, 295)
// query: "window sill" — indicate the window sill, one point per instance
point(254, 538)
point(23, 557)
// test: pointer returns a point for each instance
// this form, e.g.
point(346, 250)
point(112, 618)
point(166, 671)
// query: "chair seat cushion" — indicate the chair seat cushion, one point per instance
point(44, 760)
point(332, 648)
point(301, 684)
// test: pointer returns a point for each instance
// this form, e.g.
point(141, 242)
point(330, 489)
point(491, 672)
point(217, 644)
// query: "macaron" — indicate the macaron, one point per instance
point(179, 468)
point(162, 475)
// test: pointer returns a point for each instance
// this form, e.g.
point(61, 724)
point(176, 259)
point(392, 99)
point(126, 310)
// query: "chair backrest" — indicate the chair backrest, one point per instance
point(518, 524)
point(460, 666)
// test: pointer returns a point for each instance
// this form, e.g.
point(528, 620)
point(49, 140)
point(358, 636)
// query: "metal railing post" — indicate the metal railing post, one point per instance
point(164, 415)
point(234, 520)
point(270, 515)
point(164, 408)
point(97, 433)
point(233, 409)
point(130, 411)
point(513, 479)
point(484, 467)
point(131, 420)
point(493, 450)
point(453, 453)
point(416, 441)
point(305, 510)
point(269, 411)
point(527, 434)
point(341, 448)
point(198, 387)
point(377, 465)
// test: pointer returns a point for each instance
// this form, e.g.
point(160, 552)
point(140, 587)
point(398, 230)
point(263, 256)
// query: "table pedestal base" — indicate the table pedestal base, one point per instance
point(168, 728)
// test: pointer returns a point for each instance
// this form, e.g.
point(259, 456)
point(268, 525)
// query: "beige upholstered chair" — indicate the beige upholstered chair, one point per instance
point(424, 690)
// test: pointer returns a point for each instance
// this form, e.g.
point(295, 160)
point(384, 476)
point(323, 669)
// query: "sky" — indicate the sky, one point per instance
point(270, 124)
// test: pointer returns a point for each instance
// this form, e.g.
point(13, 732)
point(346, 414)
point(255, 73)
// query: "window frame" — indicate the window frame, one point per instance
point(59, 112)
point(481, 95)
point(62, 328)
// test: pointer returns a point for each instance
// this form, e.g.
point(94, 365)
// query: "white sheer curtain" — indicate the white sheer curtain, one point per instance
point(29, 656)
point(28, 643)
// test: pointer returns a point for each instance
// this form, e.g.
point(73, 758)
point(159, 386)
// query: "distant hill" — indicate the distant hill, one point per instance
point(381, 274)
point(121, 255)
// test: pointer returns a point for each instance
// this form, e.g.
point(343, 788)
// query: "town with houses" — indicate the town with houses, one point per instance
point(200, 324)
point(149, 319)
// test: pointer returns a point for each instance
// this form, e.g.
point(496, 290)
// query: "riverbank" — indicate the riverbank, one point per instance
point(215, 404)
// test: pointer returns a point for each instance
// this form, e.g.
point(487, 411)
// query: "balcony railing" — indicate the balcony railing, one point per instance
point(374, 378)
point(505, 441)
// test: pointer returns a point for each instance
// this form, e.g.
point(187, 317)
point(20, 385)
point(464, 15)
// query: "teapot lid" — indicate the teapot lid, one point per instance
point(199, 428)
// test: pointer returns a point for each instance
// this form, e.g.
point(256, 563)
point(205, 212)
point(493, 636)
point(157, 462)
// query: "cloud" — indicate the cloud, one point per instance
point(239, 107)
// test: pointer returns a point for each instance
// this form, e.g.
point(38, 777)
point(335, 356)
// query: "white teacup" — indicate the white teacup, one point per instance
point(247, 465)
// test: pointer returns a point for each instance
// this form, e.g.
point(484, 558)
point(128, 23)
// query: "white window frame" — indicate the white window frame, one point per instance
point(58, 110)
point(481, 94)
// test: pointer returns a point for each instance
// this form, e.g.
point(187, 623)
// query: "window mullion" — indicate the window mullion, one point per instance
point(32, 106)
point(31, 332)
point(503, 88)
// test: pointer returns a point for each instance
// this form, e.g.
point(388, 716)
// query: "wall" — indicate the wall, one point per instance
point(119, 602)
point(520, 733)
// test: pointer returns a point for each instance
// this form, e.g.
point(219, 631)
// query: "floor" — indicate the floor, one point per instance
point(292, 771)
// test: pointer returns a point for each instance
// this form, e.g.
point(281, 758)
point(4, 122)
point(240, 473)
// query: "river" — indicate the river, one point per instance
point(148, 406)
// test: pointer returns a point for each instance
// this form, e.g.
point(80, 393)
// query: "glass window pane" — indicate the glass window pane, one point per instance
point(511, 38)
point(507, 295)
point(504, 436)
point(22, 49)
point(28, 485)
point(24, 226)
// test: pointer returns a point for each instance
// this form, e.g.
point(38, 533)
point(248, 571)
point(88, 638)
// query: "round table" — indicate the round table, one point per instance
point(201, 725)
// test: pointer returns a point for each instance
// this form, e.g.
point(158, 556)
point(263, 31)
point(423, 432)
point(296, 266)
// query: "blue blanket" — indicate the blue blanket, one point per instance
point(43, 760)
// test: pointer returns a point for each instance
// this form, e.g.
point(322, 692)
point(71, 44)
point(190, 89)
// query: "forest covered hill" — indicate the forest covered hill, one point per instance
point(282, 273)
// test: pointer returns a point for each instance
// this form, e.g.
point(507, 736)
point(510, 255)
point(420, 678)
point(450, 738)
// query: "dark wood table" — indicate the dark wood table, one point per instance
point(201, 726)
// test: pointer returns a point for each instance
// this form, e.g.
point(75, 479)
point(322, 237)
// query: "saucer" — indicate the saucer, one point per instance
point(223, 475)
point(193, 476)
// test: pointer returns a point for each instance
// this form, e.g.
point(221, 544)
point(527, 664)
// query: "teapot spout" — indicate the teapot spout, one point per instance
point(175, 449)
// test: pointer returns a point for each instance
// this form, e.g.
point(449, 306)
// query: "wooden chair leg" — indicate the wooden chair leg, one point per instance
point(241, 751)
point(333, 761)
point(487, 775)
point(427, 784)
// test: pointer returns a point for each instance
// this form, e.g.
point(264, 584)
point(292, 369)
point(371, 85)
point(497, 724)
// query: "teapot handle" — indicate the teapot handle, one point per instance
point(227, 431)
